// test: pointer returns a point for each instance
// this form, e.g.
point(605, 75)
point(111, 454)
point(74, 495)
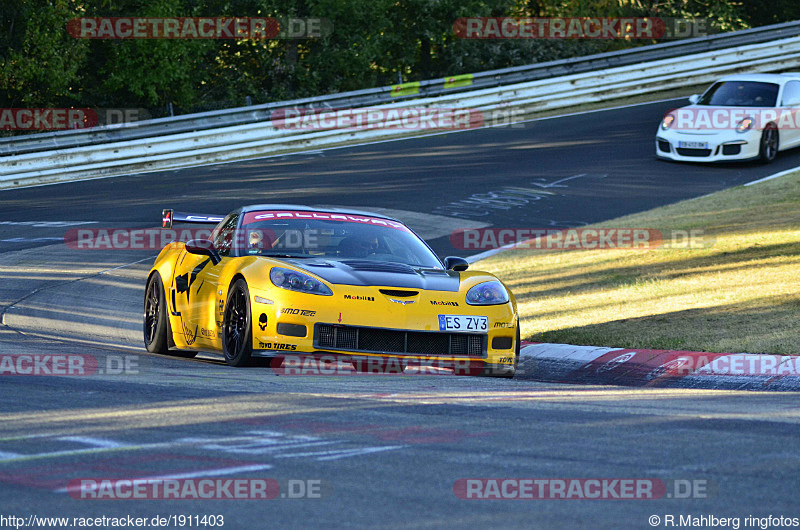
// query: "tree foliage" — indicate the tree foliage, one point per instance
point(372, 43)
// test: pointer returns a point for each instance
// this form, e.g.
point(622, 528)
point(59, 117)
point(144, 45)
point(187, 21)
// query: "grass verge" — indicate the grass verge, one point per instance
point(739, 293)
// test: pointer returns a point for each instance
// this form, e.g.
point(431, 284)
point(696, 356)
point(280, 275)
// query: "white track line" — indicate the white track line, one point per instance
point(776, 175)
point(195, 474)
point(342, 453)
point(96, 442)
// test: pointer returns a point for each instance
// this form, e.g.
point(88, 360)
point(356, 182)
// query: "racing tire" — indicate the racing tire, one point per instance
point(157, 331)
point(769, 144)
point(155, 323)
point(237, 335)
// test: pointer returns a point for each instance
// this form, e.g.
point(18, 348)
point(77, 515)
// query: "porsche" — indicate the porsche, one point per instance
point(278, 279)
point(740, 117)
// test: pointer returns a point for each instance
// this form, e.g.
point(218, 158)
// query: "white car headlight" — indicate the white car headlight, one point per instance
point(666, 123)
point(744, 125)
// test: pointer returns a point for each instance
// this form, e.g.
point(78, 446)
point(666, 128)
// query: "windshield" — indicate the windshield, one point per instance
point(332, 236)
point(741, 94)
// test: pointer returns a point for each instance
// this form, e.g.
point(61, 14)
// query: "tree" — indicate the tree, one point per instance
point(40, 64)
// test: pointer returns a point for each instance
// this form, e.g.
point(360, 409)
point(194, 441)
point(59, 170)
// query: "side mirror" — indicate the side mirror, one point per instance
point(453, 263)
point(203, 247)
point(694, 98)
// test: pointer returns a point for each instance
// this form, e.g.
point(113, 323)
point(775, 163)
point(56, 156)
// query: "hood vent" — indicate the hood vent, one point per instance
point(399, 294)
point(316, 263)
point(379, 266)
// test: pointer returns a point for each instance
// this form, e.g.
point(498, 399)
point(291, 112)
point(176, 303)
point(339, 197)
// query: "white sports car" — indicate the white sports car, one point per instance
point(740, 117)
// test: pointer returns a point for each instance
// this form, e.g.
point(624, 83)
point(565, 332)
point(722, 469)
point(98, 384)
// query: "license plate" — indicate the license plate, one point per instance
point(464, 323)
point(693, 145)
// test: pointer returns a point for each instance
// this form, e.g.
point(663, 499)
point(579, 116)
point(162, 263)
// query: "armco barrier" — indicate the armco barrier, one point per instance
point(263, 139)
point(388, 94)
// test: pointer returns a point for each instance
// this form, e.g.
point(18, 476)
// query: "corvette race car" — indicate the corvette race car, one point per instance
point(740, 117)
point(286, 279)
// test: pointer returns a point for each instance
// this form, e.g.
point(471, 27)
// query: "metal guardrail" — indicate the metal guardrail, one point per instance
point(260, 139)
point(383, 95)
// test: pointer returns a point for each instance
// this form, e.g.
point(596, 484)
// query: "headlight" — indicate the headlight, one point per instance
point(487, 293)
point(666, 123)
point(745, 125)
point(297, 281)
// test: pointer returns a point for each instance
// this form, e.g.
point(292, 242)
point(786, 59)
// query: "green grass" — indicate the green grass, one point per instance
point(741, 293)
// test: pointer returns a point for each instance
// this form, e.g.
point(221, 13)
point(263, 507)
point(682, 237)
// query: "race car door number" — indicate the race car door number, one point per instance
point(464, 323)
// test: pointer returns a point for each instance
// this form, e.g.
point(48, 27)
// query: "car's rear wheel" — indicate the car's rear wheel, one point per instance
point(770, 141)
point(157, 332)
point(237, 336)
point(155, 316)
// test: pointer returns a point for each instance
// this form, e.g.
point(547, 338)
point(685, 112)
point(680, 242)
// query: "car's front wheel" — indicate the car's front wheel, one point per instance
point(237, 336)
point(770, 141)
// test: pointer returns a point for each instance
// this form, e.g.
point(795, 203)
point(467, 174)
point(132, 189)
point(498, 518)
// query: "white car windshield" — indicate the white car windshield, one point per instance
point(741, 94)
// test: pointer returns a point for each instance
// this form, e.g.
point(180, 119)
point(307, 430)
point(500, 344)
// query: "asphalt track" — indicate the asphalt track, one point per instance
point(388, 449)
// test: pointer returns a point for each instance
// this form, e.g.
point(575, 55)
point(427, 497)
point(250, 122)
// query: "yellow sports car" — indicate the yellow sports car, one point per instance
point(274, 280)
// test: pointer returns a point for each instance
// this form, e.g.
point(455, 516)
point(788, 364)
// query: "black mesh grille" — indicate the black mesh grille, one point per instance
point(379, 340)
point(428, 343)
point(347, 338)
point(474, 342)
point(324, 336)
point(731, 149)
point(462, 344)
point(685, 151)
point(459, 345)
point(663, 145)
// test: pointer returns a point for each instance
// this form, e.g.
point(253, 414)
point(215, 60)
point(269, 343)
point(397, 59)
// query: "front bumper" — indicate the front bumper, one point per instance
point(369, 326)
point(720, 147)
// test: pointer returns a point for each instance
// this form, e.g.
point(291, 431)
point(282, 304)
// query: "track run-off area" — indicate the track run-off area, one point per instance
point(382, 451)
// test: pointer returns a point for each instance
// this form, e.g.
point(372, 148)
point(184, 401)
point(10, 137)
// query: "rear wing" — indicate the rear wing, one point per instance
point(169, 216)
